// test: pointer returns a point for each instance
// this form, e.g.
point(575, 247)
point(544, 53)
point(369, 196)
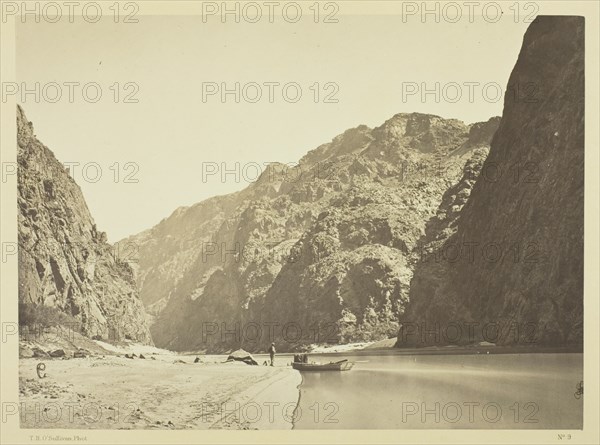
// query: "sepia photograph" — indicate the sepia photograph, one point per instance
point(319, 221)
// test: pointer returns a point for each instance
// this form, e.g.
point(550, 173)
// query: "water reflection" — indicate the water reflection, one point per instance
point(513, 391)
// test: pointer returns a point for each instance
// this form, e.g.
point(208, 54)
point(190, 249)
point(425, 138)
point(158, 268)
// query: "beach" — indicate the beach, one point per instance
point(162, 391)
point(126, 385)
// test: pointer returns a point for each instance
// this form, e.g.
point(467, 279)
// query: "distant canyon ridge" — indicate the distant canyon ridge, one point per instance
point(321, 252)
point(416, 225)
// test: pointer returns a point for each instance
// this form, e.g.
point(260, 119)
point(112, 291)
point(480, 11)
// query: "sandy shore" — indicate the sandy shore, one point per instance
point(160, 392)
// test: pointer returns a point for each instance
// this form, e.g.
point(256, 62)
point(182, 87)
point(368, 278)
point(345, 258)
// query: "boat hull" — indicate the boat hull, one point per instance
point(319, 367)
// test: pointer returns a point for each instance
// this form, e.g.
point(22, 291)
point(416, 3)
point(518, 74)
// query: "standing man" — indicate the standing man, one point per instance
point(272, 354)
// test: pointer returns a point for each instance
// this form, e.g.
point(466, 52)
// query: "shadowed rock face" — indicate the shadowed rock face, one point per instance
point(64, 261)
point(521, 230)
point(328, 242)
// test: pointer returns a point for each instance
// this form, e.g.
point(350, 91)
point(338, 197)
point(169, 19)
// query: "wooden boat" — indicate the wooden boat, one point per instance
point(342, 365)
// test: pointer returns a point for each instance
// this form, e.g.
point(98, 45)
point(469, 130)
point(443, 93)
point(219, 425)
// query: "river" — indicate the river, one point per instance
point(477, 391)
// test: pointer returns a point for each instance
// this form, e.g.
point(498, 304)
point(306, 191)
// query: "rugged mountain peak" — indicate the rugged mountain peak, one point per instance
point(480, 135)
point(24, 128)
point(483, 132)
point(413, 124)
point(351, 141)
point(425, 133)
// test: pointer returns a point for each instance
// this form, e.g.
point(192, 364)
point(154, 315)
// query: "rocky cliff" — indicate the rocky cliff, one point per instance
point(319, 252)
point(65, 263)
point(508, 268)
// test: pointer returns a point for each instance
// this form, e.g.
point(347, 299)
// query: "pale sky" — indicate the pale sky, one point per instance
point(170, 132)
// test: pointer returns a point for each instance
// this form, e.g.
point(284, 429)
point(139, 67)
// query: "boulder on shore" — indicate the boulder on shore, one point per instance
point(57, 353)
point(39, 353)
point(242, 356)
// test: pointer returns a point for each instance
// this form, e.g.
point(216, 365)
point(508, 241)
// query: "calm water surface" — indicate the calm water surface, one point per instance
point(511, 391)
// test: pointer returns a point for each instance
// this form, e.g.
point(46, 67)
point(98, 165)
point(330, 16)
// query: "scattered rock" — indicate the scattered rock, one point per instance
point(81, 353)
point(25, 352)
point(58, 353)
point(39, 353)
